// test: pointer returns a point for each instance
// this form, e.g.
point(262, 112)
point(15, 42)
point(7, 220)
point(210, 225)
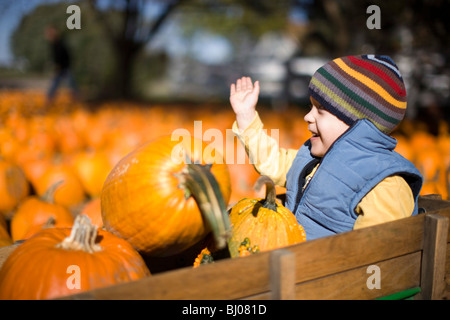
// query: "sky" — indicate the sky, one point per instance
point(10, 16)
point(11, 12)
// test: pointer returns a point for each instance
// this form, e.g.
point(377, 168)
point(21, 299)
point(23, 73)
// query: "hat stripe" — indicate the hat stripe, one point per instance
point(327, 100)
point(371, 84)
point(362, 90)
point(388, 63)
point(333, 98)
point(380, 73)
point(374, 78)
point(356, 97)
point(363, 112)
point(337, 100)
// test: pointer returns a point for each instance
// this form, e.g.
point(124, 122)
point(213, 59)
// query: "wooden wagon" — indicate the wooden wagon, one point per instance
point(408, 258)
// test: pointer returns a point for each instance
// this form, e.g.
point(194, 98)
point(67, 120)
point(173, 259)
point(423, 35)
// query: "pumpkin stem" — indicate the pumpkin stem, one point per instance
point(204, 187)
point(271, 194)
point(49, 195)
point(50, 223)
point(82, 236)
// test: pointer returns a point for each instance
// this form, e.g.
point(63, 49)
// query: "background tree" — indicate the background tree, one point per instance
point(133, 31)
point(114, 34)
point(93, 62)
point(113, 54)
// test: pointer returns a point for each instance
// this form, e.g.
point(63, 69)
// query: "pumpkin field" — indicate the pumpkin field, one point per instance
point(61, 163)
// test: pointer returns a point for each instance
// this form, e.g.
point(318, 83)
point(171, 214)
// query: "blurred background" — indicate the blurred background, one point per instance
point(191, 50)
point(176, 59)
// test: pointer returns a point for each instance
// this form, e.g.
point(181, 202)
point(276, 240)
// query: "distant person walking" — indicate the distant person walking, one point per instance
point(61, 59)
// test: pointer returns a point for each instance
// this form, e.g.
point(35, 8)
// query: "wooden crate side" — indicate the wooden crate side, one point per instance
point(282, 275)
point(442, 208)
point(434, 256)
point(446, 293)
point(396, 274)
point(321, 257)
point(315, 259)
point(222, 280)
point(424, 267)
point(367, 282)
point(431, 204)
point(445, 213)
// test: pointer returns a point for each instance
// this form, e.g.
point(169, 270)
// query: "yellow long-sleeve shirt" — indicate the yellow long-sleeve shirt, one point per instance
point(391, 199)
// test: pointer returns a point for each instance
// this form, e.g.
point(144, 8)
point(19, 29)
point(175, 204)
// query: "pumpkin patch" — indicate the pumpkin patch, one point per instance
point(147, 191)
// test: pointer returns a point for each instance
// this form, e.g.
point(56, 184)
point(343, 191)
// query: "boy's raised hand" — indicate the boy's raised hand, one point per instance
point(243, 99)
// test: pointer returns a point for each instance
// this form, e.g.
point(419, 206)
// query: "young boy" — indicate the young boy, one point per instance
point(346, 176)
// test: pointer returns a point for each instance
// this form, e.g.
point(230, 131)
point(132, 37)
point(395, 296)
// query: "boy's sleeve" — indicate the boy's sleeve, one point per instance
point(264, 151)
point(390, 200)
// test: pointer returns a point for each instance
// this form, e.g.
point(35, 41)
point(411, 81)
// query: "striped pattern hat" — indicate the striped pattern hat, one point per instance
point(361, 87)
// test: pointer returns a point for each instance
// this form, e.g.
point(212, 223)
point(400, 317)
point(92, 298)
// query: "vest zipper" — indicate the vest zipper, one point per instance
point(302, 183)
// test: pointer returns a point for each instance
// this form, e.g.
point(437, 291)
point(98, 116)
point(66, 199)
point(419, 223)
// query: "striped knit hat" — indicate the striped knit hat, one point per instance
point(361, 87)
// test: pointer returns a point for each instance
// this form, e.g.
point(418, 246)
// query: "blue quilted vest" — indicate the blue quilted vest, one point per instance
point(356, 162)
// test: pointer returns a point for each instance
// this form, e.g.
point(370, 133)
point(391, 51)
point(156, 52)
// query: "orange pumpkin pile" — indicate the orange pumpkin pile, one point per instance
point(70, 160)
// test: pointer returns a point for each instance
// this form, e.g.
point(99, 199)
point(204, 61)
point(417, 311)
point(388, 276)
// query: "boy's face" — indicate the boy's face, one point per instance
point(325, 128)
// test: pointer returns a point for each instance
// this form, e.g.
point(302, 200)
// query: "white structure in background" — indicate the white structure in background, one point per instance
point(284, 76)
point(267, 62)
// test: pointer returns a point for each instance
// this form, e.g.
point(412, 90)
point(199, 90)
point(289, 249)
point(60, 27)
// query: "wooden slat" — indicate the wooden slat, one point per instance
point(396, 275)
point(446, 294)
point(433, 257)
point(443, 209)
point(282, 275)
point(431, 205)
point(318, 258)
point(440, 207)
point(224, 279)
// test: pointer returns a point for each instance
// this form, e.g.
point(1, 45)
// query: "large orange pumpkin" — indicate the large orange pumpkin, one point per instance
point(159, 196)
point(264, 223)
point(63, 261)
